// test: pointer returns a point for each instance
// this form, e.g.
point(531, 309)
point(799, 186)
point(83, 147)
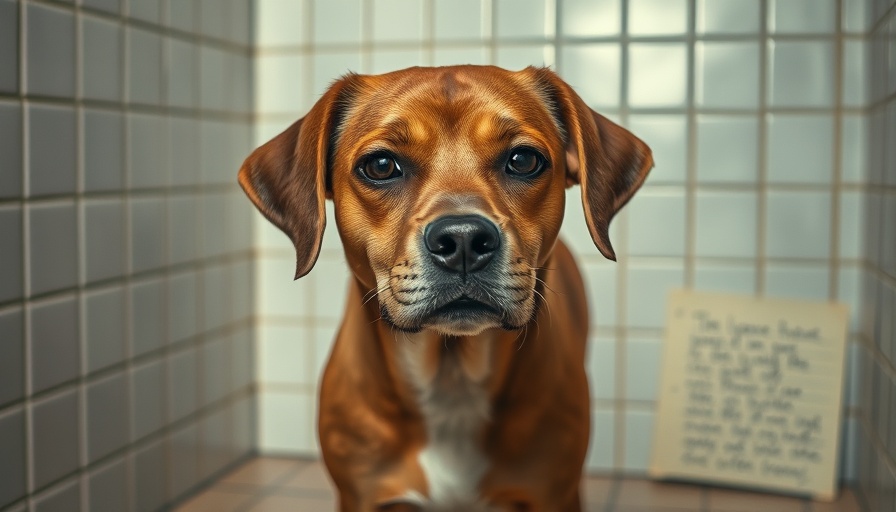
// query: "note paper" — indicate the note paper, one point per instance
point(750, 393)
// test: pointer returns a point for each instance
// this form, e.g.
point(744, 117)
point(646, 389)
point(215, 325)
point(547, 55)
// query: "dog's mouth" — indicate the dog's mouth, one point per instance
point(464, 308)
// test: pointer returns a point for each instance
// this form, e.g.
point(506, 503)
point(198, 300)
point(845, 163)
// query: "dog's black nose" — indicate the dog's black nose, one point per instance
point(462, 243)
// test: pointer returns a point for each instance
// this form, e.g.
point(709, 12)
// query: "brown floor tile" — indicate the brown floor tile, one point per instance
point(845, 502)
point(279, 503)
point(725, 500)
point(312, 477)
point(647, 495)
point(261, 471)
point(596, 490)
point(215, 500)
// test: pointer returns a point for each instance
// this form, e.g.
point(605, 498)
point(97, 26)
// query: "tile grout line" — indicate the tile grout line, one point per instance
point(691, 152)
point(762, 178)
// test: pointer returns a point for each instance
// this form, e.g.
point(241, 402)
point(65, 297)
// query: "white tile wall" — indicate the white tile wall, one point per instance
point(755, 146)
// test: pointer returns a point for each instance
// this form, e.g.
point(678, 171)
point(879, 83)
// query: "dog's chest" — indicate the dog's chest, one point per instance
point(453, 399)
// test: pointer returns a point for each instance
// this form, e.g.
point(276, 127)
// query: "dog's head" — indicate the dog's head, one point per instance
point(448, 185)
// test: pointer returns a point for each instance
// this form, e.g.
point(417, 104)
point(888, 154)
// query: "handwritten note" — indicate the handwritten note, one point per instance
point(750, 393)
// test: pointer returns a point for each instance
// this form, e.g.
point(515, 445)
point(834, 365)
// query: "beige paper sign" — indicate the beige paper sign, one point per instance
point(750, 393)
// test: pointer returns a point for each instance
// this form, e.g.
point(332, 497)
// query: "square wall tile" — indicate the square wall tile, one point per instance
point(182, 306)
point(145, 10)
point(727, 149)
point(102, 59)
point(733, 278)
point(458, 20)
point(183, 375)
point(800, 149)
point(212, 78)
point(217, 167)
point(183, 453)
point(52, 150)
point(803, 281)
point(280, 22)
point(214, 20)
point(802, 16)
point(798, 224)
point(148, 391)
point(111, 6)
point(727, 75)
point(726, 224)
point(801, 73)
point(286, 423)
point(397, 20)
point(602, 447)
point(148, 233)
point(107, 487)
point(52, 235)
point(11, 251)
point(216, 229)
point(849, 292)
point(643, 358)
point(284, 355)
point(12, 456)
point(103, 150)
point(183, 73)
point(524, 18)
point(104, 242)
point(54, 438)
point(852, 204)
point(648, 286)
point(183, 144)
point(667, 137)
point(12, 357)
point(854, 72)
point(657, 17)
point(50, 51)
point(600, 284)
point(278, 294)
point(385, 61)
point(183, 15)
point(216, 297)
point(638, 439)
point(727, 16)
point(147, 151)
point(147, 316)
point(107, 416)
point(601, 367)
point(336, 21)
point(855, 15)
point(593, 72)
point(657, 223)
point(149, 477)
point(53, 335)
point(104, 314)
point(144, 67)
point(216, 362)
point(658, 74)
point(853, 153)
point(10, 147)
point(590, 18)
point(242, 287)
point(9, 47)
point(59, 498)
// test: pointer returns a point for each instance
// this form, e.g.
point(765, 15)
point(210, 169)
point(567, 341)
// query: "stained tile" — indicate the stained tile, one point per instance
point(11, 142)
point(104, 312)
point(53, 336)
point(107, 416)
point(50, 51)
point(54, 437)
point(12, 456)
point(51, 149)
point(101, 62)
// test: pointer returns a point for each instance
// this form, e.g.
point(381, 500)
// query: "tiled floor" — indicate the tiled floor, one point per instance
point(268, 484)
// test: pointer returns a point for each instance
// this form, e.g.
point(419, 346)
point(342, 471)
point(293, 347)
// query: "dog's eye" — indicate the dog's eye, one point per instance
point(381, 167)
point(524, 163)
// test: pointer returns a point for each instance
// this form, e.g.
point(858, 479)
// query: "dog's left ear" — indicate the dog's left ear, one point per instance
point(286, 178)
point(605, 159)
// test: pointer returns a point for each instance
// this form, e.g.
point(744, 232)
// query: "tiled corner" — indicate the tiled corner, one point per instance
point(102, 59)
point(51, 150)
point(50, 61)
point(107, 416)
point(54, 424)
point(104, 329)
point(10, 148)
point(53, 339)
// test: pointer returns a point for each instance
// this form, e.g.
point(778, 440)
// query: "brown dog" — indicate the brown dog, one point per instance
point(457, 379)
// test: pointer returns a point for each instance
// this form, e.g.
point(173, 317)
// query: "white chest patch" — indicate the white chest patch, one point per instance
point(455, 406)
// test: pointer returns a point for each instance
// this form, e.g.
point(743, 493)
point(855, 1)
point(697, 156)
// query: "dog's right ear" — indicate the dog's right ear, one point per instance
point(286, 178)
